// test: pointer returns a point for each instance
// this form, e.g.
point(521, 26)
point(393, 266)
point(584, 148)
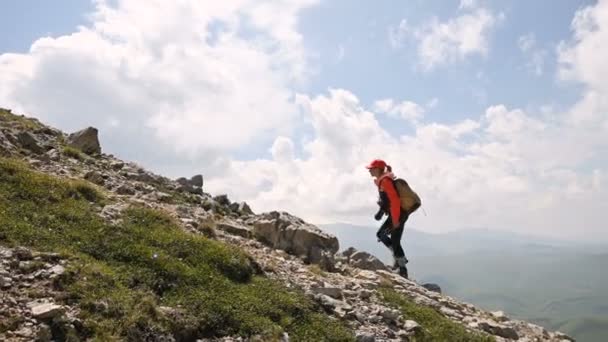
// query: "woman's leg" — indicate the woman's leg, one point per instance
point(397, 248)
point(382, 234)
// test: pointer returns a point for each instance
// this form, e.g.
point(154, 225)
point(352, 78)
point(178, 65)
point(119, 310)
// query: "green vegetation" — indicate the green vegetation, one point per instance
point(125, 278)
point(73, 153)
point(436, 326)
point(19, 121)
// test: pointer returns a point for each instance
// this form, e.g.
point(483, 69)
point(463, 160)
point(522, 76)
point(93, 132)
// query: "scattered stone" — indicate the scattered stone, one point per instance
point(117, 165)
point(366, 261)
point(22, 253)
point(410, 325)
point(5, 282)
point(46, 311)
point(95, 177)
point(235, 229)
point(498, 330)
point(333, 292)
point(500, 316)
point(365, 337)
point(432, 287)
point(57, 270)
point(85, 140)
point(125, 189)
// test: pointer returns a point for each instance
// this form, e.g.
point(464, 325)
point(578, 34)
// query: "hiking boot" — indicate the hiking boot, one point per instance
point(403, 272)
point(395, 265)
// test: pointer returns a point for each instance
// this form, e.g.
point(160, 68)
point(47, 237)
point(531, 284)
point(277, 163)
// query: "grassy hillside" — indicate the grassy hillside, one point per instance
point(145, 277)
point(121, 275)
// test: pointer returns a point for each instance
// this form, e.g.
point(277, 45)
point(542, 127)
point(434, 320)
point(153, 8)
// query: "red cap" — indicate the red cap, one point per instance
point(379, 163)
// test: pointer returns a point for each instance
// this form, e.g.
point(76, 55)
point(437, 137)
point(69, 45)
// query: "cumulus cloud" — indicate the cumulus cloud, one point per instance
point(406, 110)
point(506, 169)
point(186, 78)
point(442, 43)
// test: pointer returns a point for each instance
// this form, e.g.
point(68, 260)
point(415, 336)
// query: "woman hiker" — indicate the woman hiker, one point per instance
point(392, 229)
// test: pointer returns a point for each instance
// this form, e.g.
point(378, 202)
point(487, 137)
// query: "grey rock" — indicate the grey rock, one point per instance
point(365, 337)
point(27, 141)
point(560, 335)
point(432, 287)
point(365, 294)
point(95, 177)
point(281, 230)
point(327, 302)
point(234, 229)
point(333, 292)
point(498, 330)
point(46, 311)
point(53, 155)
point(22, 253)
point(57, 270)
point(197, 181)
point(390, 314)
point(500, 316)
point(410, 325)
point(86, 140)
point(348, 252)
point(5, 282)
point(125, 189)
point(245, 209)
point(222, 200)
point(117, 165)
point(366, 261)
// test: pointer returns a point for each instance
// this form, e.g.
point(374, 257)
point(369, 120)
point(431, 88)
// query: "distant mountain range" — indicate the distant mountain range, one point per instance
point(554, 283)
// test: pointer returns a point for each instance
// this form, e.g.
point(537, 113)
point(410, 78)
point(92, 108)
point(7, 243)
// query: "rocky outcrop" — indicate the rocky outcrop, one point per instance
point(283, 231)
point(86, 140)
point(194, 185)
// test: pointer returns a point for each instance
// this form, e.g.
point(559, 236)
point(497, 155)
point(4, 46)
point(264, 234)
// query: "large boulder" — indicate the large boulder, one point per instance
point(281, 230)
point(363, 260)
point(27, 141)
point(194, 185)
point(86, 140)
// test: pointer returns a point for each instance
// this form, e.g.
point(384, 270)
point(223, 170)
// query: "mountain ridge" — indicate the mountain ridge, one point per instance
point(98, 241)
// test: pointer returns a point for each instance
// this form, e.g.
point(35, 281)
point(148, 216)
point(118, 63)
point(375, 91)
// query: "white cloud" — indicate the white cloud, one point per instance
point(508, 169)
point(526, 42)
point(467, 4)
point(536, 56)
point(446, 42)
point(177, 76)
point(406, 110)
point(397, 35)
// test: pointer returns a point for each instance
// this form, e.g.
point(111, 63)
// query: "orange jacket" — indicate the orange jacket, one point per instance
point(385, 184)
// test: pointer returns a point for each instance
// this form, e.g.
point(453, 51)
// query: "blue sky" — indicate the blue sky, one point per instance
point(276, 102)
point(370, 67)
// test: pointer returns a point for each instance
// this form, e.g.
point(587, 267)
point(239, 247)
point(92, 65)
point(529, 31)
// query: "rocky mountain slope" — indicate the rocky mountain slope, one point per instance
point(95, 248)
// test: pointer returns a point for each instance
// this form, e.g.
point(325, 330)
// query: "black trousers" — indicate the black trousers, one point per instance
point(390, 237)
